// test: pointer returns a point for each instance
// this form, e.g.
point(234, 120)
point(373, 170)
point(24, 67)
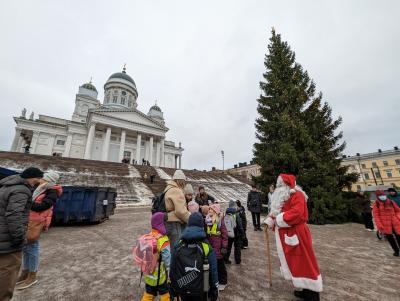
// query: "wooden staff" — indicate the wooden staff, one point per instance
point(268, 251)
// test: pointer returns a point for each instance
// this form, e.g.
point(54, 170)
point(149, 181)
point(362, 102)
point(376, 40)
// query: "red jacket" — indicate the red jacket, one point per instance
point(386, 216)
point(46, 215)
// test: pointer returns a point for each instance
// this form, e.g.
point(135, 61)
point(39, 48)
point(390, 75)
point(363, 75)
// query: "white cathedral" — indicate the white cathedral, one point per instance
point(111, 131)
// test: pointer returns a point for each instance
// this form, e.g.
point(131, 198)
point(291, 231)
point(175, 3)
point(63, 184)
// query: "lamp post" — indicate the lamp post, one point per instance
point(223, 160)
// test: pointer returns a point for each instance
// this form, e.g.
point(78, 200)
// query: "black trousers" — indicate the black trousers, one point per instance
point(222, 274)
point(237, 242)
point(394, 241)
point(256, 219)
point(367, 217)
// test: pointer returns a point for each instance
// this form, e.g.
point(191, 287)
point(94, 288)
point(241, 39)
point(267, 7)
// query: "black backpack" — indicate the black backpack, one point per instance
point(187, 277)
point(158, 203)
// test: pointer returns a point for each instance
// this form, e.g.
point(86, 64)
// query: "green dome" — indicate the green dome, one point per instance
point(123, 75)
point(89, 86)
point(156, 108)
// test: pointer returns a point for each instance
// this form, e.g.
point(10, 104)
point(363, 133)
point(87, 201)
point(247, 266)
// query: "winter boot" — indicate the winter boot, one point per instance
point(299, 294)
point(22, 277)
point(310, 295)
point(31, 280)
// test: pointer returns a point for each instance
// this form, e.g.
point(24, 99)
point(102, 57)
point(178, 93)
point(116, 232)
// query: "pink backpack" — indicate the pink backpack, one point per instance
point(145, 254)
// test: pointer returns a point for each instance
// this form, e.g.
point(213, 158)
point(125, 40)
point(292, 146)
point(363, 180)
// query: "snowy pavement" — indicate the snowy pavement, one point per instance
point(94, 262)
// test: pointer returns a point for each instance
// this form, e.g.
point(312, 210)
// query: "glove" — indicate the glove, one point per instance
point(269, 221)
point(223, 251)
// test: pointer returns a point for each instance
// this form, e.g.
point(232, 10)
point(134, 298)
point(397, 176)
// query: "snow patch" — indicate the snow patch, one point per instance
point(162, 174)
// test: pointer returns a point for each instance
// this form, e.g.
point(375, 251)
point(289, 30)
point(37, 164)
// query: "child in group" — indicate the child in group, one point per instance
point(218, 238)
point(387, 219)
point(242, 214)
point(156, 282)
point(193, 207)
point(235, 231)
point(193, 274)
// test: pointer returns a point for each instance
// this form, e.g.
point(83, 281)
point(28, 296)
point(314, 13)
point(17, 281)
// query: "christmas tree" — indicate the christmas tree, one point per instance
point(297, 134)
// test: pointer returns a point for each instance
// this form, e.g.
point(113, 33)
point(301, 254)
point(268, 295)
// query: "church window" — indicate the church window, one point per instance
point(115, 98)
point(115, 92)
point(123, 100)
point(60, 142)
point(129, 103)
point(123, 93)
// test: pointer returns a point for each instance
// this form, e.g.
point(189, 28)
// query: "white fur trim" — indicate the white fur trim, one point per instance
point(291, 240)
point(280, 222)
point(298, 282)
point(292, 191)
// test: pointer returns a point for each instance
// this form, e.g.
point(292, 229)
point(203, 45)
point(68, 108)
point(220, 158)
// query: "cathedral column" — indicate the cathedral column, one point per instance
point(68, 144)
point(122, 146)
point(180, 161)
point(20, 144)
point(151, 150)
point(157, 154)
point(15, 142)
point(89, 141)
point(35, 138)
point(162, 163)
point(138, 147)
point(106, 145)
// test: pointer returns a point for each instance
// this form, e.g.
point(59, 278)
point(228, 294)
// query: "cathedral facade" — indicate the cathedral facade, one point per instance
point(110, 131)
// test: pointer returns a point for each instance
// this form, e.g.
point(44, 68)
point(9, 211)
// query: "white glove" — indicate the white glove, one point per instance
point(269, 221)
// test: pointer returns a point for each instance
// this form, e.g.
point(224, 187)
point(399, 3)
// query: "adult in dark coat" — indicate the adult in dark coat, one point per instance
point(366, 210)
point(15, 203)
point(254, 206)
point(242, 214)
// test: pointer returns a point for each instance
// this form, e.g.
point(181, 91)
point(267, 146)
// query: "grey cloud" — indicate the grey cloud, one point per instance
point(202, 61)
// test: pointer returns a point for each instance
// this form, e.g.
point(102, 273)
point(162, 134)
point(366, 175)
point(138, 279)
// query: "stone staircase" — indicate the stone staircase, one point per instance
point(129, 181)
point(158, 185)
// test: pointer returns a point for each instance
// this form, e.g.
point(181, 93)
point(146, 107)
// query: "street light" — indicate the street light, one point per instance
point(223, 160)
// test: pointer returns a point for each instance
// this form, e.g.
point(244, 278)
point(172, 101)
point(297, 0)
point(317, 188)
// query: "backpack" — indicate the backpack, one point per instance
point(158, 203)
point(145, 254)
point(230, 224)
point(187, 277)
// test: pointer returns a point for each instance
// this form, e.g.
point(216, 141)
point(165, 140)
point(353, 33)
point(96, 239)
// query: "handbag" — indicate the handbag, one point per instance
point(35, 228)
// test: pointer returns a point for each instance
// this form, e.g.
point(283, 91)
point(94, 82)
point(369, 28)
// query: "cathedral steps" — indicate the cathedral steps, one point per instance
point(132, 188)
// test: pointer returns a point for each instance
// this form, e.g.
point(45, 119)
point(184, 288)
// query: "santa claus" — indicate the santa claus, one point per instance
point(288, 217)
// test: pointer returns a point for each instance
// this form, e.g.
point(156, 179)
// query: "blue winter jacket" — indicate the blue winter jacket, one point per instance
point(194, 234)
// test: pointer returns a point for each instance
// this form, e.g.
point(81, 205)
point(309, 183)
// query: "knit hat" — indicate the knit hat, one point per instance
point(51, 177)
point(232, 204)
point(196, 220)
point(31, 172)
point(216, 208)
point(157, 222)
point(188, 189)
point(193, 207)
point(179, 175)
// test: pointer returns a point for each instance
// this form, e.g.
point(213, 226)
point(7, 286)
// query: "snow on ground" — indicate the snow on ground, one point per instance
point(162, 174)
point(94, 262)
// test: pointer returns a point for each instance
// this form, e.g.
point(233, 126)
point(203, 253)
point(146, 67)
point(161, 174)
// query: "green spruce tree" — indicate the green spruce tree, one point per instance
point(297, 134)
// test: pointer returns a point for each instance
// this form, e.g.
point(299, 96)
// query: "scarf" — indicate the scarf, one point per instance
point(42, 188)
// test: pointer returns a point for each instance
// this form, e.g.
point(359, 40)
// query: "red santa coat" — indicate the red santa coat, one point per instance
point(294, 245)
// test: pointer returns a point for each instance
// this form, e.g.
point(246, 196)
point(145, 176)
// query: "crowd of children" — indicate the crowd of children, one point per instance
point(195, 267)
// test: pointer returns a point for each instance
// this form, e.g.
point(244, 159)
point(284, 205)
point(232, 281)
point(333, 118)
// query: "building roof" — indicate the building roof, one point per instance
point(379, 153)
point(123, 75)
point(89, 86)
point(156, 108)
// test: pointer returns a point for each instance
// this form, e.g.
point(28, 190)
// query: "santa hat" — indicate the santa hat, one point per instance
point(289, 180)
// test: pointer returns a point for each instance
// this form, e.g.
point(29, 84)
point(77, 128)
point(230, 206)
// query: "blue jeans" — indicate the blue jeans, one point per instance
point(30, 256)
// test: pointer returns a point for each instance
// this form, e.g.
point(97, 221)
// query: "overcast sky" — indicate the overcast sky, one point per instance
point(202, 61)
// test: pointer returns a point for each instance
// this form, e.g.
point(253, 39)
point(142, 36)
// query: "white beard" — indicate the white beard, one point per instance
point(279, 197)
